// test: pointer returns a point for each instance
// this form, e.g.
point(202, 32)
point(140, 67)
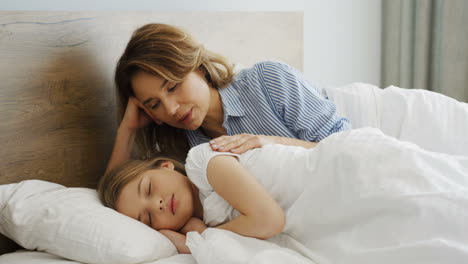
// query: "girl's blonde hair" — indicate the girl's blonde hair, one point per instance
point(170, 53)
point(111, 184)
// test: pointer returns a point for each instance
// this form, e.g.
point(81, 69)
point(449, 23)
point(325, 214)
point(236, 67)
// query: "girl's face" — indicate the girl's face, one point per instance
point(160, 198)
point(182, 105)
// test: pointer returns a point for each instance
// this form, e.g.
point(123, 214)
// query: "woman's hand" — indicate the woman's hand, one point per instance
point(177, 239)
point(241, 143)
point(194, 224)
point(135, 116)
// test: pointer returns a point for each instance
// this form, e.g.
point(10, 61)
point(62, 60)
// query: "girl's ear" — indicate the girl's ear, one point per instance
point(167, 164)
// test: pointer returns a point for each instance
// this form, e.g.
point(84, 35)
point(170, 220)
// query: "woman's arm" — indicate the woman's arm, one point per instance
point(122, 147)
point(302, 108)
point(260, 215)
point(133, 119)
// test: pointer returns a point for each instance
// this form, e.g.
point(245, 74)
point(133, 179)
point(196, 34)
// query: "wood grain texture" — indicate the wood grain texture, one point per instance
point(57, 101)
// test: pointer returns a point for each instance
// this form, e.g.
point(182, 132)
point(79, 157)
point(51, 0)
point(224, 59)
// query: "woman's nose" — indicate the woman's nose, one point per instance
point(171, 107)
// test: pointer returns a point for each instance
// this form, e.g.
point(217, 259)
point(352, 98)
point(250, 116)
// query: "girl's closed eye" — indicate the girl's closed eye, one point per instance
point(150, 222)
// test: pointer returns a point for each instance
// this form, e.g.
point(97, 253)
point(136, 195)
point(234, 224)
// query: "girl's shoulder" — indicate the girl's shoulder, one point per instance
point(196, 164)
point(199, 156)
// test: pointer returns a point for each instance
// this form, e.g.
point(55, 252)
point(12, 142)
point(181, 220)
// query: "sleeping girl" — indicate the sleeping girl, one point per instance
point(358, 195)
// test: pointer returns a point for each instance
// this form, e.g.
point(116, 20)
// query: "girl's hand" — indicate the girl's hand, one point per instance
point(177, 239)
point(194, 224)
point(241, 143)
point(135, 116)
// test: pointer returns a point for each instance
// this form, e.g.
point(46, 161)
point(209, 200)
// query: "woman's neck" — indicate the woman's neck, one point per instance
point(213, 123)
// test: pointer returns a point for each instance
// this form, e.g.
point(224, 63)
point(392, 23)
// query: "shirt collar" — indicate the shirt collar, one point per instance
point(231, 101)
point(196, 137)
point(231, 106)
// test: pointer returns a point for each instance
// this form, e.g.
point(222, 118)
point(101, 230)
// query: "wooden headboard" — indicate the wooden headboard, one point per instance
point(57, 101)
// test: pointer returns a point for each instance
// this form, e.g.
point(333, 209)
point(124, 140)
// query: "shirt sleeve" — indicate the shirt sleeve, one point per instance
point(197, 164)
point(303, 108)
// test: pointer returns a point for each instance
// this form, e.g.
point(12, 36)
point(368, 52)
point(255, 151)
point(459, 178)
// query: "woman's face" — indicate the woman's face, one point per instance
point(160, 198)
point(182, 105)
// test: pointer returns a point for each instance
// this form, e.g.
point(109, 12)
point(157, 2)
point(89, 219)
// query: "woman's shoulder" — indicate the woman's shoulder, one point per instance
point(262, 67)
point(264, 71)
point(272, 65)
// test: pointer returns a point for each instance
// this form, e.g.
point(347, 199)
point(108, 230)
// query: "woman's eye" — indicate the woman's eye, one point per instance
point(149, 188)
point(155, 105)
point(172, 88)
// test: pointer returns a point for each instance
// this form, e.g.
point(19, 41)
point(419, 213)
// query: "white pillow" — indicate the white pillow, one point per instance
point(34, 257)
point(72, 223)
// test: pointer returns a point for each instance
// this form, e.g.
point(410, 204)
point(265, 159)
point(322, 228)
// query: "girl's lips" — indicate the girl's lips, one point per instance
point(173, 204)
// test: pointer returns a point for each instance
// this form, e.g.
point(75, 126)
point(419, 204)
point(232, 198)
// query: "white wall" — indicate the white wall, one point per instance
point(342, 41)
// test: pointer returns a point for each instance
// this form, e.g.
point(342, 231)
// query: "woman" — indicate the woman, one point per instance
point(174, 94)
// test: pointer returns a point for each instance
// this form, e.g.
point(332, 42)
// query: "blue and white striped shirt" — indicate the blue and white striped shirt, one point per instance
point(274, 99)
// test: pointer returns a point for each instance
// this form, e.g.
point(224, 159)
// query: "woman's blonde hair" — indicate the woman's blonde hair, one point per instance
point(170, 53)
point(111, 184)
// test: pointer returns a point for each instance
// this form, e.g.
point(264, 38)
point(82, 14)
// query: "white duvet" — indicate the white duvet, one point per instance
point(431, 120)
point(369, 199)
point(376, 199)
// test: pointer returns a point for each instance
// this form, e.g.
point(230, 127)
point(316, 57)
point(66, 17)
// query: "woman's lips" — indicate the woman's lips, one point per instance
point(186, 118)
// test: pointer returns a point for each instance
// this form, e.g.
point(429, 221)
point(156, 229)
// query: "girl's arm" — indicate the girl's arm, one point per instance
point(260, 215)
point(177, 239)
point(193, 224)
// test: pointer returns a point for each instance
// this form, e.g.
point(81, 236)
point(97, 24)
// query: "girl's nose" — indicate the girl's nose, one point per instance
point(161, 205)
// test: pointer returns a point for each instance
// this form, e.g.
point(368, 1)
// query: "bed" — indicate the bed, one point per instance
point(58, 125)
point(57, 99)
